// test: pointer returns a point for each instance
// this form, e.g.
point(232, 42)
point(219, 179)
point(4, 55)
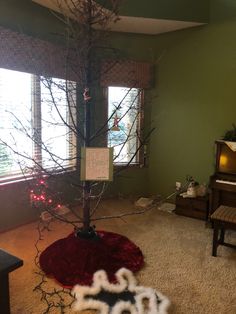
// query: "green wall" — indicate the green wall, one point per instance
point(194, 101)
point(27, 17)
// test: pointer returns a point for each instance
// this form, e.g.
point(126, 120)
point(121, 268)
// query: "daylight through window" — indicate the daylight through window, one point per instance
point(124, 110)
point(37, 122)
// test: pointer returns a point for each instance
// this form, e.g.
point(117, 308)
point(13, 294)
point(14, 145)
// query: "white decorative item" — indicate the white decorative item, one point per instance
point(167, 207)
point(47, 215)
point(144, 202)
point(87, 297)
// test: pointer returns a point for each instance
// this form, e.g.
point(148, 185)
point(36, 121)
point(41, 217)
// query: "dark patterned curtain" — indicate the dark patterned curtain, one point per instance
point(127, 73)
point(24, 53)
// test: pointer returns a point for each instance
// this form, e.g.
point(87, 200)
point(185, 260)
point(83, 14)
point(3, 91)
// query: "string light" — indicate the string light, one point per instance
point(41, 198)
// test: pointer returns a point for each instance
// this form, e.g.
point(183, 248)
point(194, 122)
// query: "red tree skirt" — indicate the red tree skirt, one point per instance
point(74, 260)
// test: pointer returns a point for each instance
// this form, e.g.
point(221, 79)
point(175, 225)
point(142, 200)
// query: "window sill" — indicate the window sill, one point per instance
point(20, 178)
point(124, 165)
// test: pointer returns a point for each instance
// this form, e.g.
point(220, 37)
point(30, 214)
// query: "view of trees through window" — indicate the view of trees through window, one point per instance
point(15, 112)
point(124, 106)
point(31, 124)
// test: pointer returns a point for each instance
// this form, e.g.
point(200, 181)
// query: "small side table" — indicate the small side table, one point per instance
point(8, 263)
point(197, 207)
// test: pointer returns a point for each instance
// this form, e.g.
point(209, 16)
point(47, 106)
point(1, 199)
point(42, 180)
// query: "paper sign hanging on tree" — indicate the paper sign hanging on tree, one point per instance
point(96, 164)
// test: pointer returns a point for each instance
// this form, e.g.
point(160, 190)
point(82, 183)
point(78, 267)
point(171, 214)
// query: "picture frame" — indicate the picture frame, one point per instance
point(96, 164)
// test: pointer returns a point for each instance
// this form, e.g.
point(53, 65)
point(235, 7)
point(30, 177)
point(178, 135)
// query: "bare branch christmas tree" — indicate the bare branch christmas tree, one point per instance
point(68, 129)
point(67, 112)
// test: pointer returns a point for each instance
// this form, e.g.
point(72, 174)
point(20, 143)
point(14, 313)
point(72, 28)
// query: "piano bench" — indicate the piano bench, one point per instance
point(224, 217)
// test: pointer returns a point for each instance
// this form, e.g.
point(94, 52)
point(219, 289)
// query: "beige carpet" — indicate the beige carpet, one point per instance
point(178, 261)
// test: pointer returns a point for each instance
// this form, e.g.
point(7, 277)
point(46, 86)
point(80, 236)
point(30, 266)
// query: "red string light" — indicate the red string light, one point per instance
point(41, 198)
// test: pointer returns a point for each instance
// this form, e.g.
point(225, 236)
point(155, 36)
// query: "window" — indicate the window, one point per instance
point(124, 124)
point(33, 130)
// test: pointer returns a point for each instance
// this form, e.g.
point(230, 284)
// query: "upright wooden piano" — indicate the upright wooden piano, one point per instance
point(223, 182)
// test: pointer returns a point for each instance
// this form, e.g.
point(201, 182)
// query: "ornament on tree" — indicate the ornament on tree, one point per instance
point(115, 126)
point(86, 95)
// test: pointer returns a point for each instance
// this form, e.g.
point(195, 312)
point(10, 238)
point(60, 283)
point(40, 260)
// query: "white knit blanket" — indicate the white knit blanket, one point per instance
point(125, 295)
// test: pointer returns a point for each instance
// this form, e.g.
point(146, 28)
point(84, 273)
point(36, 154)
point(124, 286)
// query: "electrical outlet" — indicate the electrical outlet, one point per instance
point(178, 186)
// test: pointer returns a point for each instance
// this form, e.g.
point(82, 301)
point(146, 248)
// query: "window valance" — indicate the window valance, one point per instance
point(24, 53)
point(127, 73)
